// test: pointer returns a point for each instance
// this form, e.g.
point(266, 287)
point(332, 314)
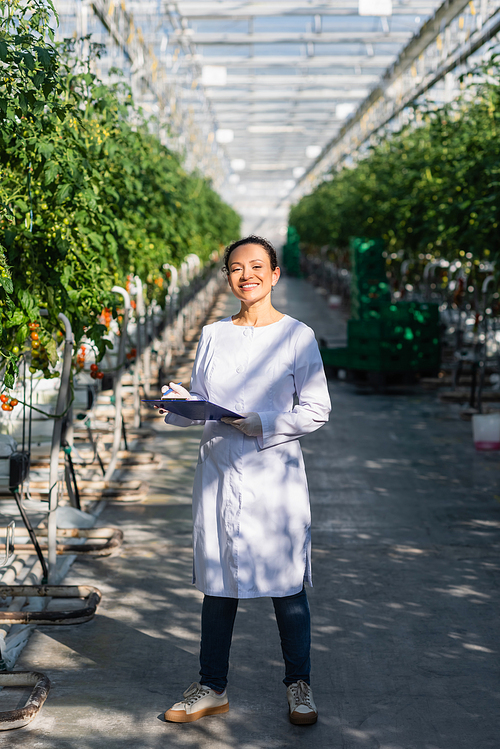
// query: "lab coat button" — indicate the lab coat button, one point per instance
point(246, 332)
point(239, 369)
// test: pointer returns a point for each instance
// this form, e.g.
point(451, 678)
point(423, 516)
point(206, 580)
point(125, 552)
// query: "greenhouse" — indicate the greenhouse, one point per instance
point(250, 341)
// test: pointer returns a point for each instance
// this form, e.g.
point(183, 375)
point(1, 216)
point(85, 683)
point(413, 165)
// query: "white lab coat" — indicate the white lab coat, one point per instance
point(251, 513)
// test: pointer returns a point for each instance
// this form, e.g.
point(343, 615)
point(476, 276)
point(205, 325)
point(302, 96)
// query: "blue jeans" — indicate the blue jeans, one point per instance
point(217, 620)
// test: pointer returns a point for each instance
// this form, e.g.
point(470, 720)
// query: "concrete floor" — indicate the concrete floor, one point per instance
point(406, 518)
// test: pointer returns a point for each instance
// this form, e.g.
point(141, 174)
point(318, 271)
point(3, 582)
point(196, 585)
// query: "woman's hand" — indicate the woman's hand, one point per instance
point(174, 391)
point(250, 425)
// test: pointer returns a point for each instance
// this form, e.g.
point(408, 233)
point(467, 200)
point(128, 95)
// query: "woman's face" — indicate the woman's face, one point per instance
point(250, 276)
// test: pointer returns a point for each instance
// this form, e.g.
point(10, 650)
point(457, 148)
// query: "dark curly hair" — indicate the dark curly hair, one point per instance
point(252, 239)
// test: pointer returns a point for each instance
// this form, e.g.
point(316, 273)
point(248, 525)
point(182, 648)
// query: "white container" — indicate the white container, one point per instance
point(334, 301)
point(486, 431)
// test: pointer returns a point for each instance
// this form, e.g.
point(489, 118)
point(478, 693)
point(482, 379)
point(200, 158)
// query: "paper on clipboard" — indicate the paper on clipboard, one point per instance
point(195, 410)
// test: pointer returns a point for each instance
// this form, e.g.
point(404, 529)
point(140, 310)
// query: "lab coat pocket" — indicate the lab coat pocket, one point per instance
point(208, 446)
point(203, 452)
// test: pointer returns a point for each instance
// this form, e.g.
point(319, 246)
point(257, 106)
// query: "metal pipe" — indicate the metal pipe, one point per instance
point(144, 316)
point(139, 313)
point(117, 429)
point(174, 277)
point(9, 544)
point(434, 264)
point(184, 273)
point(486, 283)
point(62, 402)
point(194, 264)
point(170, 309)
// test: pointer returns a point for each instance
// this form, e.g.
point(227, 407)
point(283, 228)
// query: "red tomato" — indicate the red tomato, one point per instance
point(4, 398)
point(99, 375)
point(14, 401)
point(94, 368)
point(34, 336)
point(5, 406)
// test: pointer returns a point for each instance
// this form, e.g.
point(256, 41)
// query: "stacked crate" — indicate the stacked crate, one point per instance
point(384, 336)
point(404, 338)
point(370, 292)
point(291, 253)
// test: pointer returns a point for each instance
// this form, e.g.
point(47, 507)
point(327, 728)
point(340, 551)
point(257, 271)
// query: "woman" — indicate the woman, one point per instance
point(251, 515)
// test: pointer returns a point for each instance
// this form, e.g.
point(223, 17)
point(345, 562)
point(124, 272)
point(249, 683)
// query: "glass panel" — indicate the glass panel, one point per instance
point(282, 23)
point(278, 50)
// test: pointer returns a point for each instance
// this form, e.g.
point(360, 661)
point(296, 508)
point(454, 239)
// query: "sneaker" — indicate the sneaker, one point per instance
point(303, 711)
point(198, 701)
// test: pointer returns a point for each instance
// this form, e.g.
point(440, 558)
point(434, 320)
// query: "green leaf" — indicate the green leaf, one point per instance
point(29, 61)
point(45, 148)
point(63, 192)
point(44, 57)
point(51, 349)
point(27, 301)
point(9, 237)
point(22, 205)
point(38, 78)
point(23, 104)
point(3, 51)
point(15, 319)
point(51, 172)
point(96, 239)
point(6, 282)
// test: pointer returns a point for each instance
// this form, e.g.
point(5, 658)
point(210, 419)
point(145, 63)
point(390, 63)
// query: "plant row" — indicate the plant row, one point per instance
point(88, 194)
point(431, 191)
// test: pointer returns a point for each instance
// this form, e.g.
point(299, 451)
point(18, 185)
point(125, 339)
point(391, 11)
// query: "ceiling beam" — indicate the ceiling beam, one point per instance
point(295, 37)
point(293, 61)
point(297, 121)
point(269, 94)
point(397, 90)
point(264, 81)
point(229, 9)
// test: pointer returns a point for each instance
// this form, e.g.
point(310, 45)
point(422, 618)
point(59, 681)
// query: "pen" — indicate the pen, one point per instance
point(170, 390)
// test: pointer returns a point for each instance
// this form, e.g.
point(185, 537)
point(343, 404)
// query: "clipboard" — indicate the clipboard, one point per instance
point(195, 410)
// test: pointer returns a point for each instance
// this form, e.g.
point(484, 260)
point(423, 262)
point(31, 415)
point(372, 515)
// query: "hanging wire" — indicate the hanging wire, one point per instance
point(30, 419)
point(24, 404)
point(30, 197)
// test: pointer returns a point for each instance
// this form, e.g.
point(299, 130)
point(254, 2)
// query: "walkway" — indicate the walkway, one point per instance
point(405, 607)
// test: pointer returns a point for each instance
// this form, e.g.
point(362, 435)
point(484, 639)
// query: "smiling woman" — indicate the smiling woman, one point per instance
point(252, 271)
point(251, 510)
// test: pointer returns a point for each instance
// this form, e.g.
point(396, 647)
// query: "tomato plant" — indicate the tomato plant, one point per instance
point(87, 194)
point(431, 191)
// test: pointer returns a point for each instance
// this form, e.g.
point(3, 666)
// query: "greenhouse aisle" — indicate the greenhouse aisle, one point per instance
point(405, 607)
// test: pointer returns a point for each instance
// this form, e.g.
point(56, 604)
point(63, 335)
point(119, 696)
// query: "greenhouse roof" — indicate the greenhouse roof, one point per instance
point(282, 78)
point(267, 84)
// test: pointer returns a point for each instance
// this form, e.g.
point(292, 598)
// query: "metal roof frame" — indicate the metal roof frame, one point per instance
point(295, 76)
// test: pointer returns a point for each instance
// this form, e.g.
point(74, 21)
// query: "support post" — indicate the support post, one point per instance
point(117, 430)
point(139, 311)
point(62, 402)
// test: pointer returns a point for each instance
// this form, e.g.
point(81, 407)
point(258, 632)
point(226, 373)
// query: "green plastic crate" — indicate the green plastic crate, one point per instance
point(336, 357)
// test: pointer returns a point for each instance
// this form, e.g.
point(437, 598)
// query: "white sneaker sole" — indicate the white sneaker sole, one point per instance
point(180, 716)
